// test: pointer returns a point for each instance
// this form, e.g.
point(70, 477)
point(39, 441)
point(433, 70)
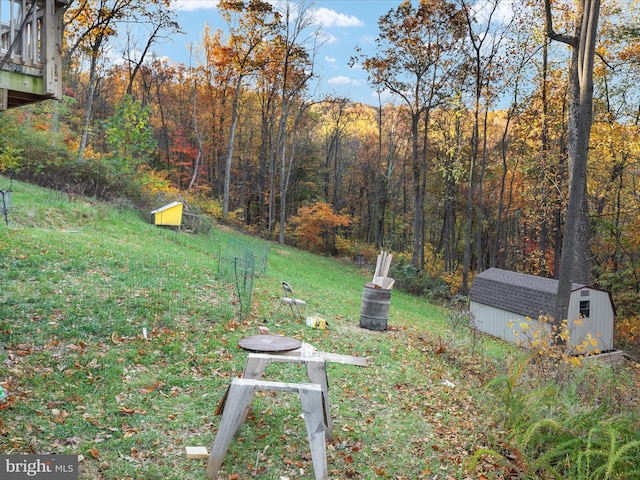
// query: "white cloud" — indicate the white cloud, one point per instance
point(328, 39)
point(330, 18)
point(368, 40)
point(189, 5)
point(385, 95)
point(329, 59)
point(341, 80)
point(502, 14)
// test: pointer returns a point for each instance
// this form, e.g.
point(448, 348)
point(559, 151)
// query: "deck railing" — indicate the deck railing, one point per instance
point(21, 35)
point(30, 41)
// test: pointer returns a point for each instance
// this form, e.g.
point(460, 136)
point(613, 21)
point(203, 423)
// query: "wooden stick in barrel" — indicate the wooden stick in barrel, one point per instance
point(378, 265)
point(387, 265)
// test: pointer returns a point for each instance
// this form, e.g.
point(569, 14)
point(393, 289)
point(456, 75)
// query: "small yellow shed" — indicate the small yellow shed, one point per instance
point(170, 215)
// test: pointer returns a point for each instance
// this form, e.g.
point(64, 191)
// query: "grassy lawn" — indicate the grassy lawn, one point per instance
point(80, 281)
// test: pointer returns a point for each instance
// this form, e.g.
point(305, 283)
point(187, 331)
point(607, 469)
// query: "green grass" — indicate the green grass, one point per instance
point(80, 280)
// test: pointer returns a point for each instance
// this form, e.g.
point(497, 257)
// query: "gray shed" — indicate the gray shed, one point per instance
point(501, 300)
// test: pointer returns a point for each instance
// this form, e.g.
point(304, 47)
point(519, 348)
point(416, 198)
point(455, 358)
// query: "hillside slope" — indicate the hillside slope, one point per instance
point(119, 339)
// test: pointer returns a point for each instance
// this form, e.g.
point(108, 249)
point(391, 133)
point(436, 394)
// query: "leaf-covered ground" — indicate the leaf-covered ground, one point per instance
point(118, 341)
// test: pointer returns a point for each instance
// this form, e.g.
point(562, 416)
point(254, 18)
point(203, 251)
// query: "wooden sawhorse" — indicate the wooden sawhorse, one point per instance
point(316, 371)
point(235, 407)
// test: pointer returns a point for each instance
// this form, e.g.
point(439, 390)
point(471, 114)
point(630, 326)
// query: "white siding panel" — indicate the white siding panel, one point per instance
point(494, 321)
point(599, 323)
point(506, 325)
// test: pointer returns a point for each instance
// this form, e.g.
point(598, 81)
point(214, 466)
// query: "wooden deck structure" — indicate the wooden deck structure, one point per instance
point(30, 51)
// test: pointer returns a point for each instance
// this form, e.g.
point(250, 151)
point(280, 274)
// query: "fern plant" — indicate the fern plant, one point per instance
point(561, 430)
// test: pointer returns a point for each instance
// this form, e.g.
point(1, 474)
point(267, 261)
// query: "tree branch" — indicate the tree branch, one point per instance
point(551, 33)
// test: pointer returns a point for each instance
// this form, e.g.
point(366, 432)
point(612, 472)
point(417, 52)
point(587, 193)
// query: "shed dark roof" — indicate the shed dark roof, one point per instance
point(516, 292)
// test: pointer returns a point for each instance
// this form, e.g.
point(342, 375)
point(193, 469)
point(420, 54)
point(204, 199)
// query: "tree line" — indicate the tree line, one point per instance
point(468, 166)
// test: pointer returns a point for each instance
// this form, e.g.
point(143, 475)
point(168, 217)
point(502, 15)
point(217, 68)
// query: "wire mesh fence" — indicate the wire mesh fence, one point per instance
point(229, 265)
point(5, 202)
point(238, 265)
point(145, 284)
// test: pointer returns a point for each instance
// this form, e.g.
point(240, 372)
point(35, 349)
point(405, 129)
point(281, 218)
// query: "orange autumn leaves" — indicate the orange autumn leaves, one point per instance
point(315, 225)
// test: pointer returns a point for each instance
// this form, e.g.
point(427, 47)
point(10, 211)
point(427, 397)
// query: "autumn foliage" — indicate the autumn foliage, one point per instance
point(316, 226)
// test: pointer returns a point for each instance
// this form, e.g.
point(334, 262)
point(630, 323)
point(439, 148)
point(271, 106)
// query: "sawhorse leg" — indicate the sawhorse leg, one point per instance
point(239, 398)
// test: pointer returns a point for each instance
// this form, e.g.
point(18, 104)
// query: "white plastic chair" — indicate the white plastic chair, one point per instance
point(289, 300)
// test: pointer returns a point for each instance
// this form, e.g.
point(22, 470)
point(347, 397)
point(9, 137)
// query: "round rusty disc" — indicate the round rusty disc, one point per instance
point(269, 343)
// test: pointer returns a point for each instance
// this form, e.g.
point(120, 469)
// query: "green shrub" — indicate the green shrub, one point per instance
point(557, 430)
point(417, 282)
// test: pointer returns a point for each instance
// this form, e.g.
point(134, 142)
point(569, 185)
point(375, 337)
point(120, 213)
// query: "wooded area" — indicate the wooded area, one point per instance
point(469, 168)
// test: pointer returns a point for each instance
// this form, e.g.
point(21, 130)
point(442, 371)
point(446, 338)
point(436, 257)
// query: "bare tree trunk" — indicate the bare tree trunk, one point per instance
point(296, 18)
point(90, 94)
point(283, 170)
point(379, 202)
point(196, 164)
point(575, 260)
point(229, 157)
point(499, 244)
point(480, 258)
point(163, 123)
point(449, 234)
point(544, 146)
point(466, 261)
point(418, 215)
point(272, 189)
point(266, 143)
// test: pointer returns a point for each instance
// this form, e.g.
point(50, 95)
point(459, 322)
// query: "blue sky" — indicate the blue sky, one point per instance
point(345, 23)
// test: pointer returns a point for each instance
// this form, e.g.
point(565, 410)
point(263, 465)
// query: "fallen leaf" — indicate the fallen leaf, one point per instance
point(126, 410)
point(23, 350)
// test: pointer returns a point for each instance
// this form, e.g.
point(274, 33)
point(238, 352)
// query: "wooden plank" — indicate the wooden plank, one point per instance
point(266, 357)
point(274, 386)
point(333, 357)
point(376, 273)
point(197, 452)
point(254, 368)
point(20, 82)
point(240, 396)
point(317, 373)
point(384, 282)
point(314, 421)
point(614, 357)
point(343, 359)
point(220, 408)
point(388, 265)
